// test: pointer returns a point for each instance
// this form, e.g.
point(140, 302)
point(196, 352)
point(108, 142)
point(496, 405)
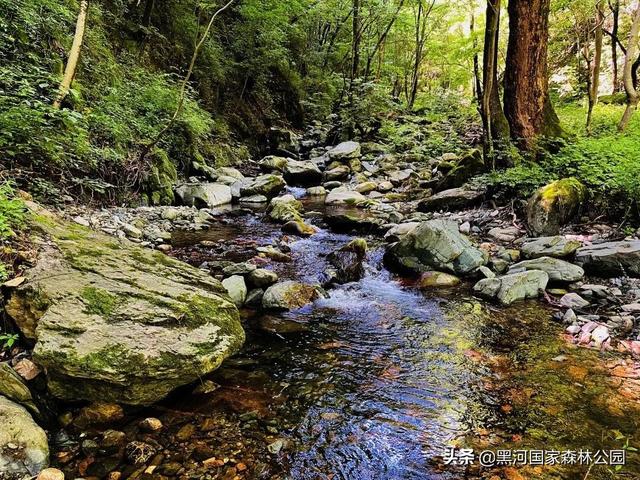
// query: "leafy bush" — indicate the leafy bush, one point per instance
point(12, 217)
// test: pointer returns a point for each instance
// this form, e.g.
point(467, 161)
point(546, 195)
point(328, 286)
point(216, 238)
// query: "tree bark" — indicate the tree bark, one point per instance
point(74, 55)
point(594, 84)
point(627, 75)
point(495, 123)
point(526, 94)
point(615, 11)
point(355, 44)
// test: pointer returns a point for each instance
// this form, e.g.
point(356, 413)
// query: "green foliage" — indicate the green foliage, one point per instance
point(12, 212)
point(8, 340)
point(605, 161)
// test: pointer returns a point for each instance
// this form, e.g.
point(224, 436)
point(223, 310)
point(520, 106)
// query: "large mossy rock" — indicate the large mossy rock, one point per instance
point(435, 245)
point(556, 247)
point(554, 205)
point(24, 451)
point(514, 287)
point(116, 322)
point(611, 259)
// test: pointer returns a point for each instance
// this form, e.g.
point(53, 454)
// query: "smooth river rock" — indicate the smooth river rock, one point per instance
point(611, 259)
point(289, 295)
point(24, 451)
point(511, 288)
point(558, 270)
point(435, 245)
point(556, 247)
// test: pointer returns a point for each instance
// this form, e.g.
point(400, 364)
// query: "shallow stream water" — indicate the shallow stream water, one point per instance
point(376, 381)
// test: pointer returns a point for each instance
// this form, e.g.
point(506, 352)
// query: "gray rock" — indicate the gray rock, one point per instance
point(558, 270)
point(236, 288)
point(289, 296)
point(302, 174)
point(267, 185)
point(556, 247)
point(203, 195)
point(394, 234)
point(341, 172)
point(108, 314)
point(511, 288)
point(342, 196)
point(573, 300)
point(435, 245)
point(243, 268)
point(345, 151)
point(24, 451)
point(230, 172)
point(254, 199)
point(452, 199)
point(398, 177)
point(611, 259)
point(262, 277)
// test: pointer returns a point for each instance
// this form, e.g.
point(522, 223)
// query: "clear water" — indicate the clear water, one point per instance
point(384, 377)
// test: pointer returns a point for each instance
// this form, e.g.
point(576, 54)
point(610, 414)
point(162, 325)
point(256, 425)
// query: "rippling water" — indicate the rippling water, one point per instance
point(385, 376)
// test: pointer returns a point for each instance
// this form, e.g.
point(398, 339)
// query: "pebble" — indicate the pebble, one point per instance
point(151, 424)
point(50, 474)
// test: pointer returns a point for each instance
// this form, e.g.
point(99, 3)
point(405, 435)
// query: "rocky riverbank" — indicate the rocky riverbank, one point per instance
point(114, 319)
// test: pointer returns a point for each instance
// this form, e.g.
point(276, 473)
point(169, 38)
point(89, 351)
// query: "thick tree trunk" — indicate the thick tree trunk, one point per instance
point(627, 76)
point(74, 55)
point(526, 94)
point(594, 84)
point(496, 125)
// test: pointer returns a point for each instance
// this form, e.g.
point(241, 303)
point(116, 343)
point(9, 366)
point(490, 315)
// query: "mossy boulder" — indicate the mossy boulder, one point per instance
point(161, 179)
point(459, 171)
point(116, 322)
point(554, 205)
point(514, 287)
point(285, 209)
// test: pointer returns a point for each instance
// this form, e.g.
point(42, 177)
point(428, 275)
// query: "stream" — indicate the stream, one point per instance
point(377, 380)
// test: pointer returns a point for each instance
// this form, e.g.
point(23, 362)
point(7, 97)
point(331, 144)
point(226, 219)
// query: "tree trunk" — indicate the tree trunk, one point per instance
point(355, 44)
point(615, 10)
point(627, 75)
point(526, 94)
point(594, 86)
point(382, 39)
point(74, 55)
point(495, 123)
